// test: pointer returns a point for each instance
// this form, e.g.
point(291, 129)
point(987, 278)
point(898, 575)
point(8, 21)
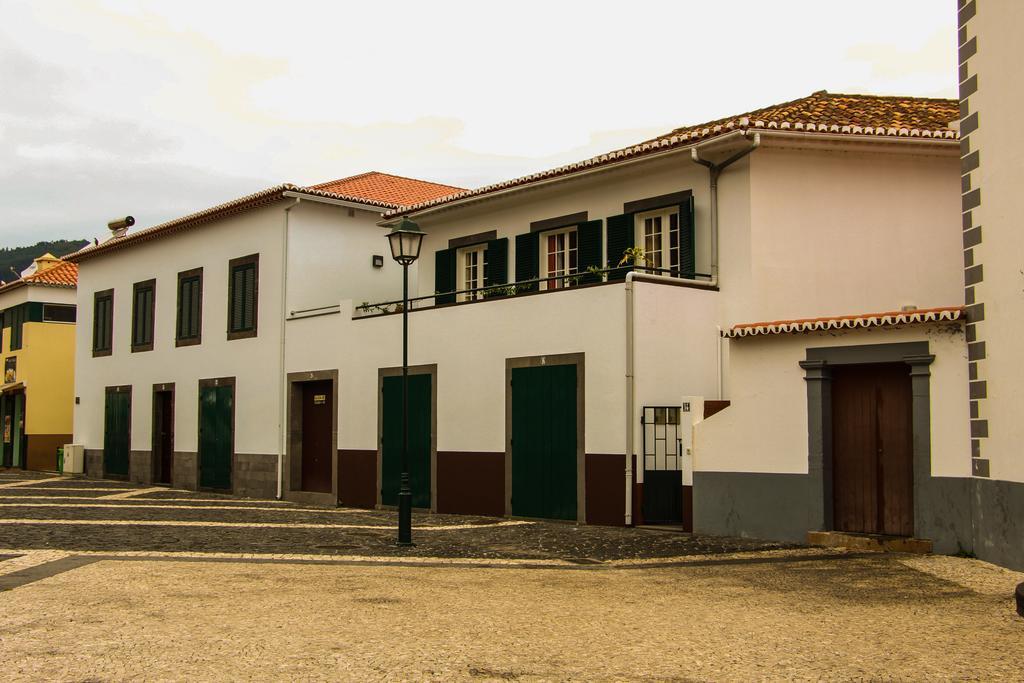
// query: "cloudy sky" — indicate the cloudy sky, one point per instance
point(158, 108)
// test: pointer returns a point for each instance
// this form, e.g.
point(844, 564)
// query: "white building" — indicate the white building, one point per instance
point(992, 204)
point(579, 402)
point(179, 355)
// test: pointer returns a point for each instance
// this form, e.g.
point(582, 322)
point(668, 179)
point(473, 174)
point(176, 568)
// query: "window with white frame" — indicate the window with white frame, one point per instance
point(472, 262)
point(658, 234)
point(558, 256)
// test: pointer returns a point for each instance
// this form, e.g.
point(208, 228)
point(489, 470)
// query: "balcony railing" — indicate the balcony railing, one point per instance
point(553, 283)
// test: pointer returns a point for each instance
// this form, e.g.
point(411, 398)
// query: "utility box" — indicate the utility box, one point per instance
point(74, 458)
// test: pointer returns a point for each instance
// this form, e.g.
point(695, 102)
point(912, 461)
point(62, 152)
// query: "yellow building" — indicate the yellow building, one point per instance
point(38, 356)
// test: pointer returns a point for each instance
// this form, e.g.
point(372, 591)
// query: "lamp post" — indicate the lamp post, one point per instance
point(406, 238)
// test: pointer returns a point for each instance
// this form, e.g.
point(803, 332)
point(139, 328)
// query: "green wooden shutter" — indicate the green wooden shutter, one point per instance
point(620, 238)
point(589, 234)
point(237, 299)
point(527, 259)
point(444, 275)
point(496, 272)
point(687, 240)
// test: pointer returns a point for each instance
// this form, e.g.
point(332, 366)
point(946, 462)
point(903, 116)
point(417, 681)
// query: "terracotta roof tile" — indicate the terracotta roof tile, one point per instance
point(885, 319)
point(820, 112)
point(64, 274)
point(392, 189)
point(379, 190)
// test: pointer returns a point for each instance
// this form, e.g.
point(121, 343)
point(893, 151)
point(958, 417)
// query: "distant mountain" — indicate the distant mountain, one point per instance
point(19, 258)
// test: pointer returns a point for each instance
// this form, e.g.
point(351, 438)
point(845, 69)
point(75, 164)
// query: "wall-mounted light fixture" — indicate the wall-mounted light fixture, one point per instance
point(378, 261)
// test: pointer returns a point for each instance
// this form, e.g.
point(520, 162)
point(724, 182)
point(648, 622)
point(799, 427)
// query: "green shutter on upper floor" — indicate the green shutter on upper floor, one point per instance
point(444, 276)
point(496, 271)
point(527, 259)
point(687, 240)
point(620, 237)
point(590, 247)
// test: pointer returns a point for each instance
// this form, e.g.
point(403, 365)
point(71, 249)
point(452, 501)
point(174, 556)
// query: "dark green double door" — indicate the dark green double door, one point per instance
point(420, 422)
point(117, 431)
point(544, 442)
point(216, 436)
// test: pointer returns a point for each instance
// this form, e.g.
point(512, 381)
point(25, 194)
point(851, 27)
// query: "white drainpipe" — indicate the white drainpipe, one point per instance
point(630, 372)
point(282, 386)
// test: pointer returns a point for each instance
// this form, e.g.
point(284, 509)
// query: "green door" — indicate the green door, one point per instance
point(116, 431)
point(19, 430)
point(216, 436)
point(419, 440)
point(544, 469)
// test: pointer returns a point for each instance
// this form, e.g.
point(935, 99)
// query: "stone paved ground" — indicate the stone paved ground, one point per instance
point(323, 595)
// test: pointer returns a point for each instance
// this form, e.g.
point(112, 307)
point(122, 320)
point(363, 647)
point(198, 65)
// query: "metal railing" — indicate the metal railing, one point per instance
point(592, 276)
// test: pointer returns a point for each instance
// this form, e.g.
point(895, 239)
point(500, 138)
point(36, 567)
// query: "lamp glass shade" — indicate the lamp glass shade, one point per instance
point(406, 239)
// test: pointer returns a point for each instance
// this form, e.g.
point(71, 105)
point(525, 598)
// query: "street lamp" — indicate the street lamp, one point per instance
point(406, 239)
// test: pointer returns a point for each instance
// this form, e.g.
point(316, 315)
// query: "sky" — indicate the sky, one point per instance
point(160, 108)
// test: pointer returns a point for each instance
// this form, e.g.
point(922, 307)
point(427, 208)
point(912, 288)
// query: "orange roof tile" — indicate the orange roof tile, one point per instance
point(379, 190)
point(820, 112)
point(391, 189)
point(886, 319)
point(63, 274)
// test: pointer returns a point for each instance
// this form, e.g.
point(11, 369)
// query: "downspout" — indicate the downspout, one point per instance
point(282, 387)
point(715, 170)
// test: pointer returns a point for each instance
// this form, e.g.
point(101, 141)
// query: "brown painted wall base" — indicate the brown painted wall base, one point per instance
point(357, 478)
point(42, 451)
point(606, 490)
point(471, 483)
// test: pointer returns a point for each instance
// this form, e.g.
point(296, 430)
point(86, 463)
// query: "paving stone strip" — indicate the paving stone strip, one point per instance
point(329, 511)
point(28, 482)
point(133, 493)
point(241, 525)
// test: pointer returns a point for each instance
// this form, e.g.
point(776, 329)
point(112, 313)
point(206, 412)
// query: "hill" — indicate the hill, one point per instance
point(19, 258)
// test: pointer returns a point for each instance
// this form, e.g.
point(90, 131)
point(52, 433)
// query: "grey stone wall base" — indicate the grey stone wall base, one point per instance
point(999, 522)
point(185, 470)
point(140, 467)
point(255, 475)
point(93, 463)
point(942, 513)
point(754, 505)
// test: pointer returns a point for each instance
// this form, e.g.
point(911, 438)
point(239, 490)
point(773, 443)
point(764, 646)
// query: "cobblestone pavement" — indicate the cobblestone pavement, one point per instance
point(80, 515)
point(477, 599)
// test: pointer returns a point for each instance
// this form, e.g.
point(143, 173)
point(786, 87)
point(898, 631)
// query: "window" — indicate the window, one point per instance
point(189, 328)
point(659, 233)
point(143, 298)
point(472, 262)
point(16, 317)
point(243, 293)
point(59, 313)
point(558, 257)
point(103, 323)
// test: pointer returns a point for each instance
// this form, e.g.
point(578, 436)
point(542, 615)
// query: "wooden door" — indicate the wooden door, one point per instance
point(317, 429)
point(872, 449)
point(544, 448)
point(163, 436)
point(117, 432)
point(420, 424)
point(216, 436)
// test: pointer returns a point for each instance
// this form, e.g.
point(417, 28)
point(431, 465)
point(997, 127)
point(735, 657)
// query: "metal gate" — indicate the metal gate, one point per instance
point(663, 465)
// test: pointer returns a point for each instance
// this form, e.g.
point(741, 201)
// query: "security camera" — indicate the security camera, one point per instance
point(121, 223)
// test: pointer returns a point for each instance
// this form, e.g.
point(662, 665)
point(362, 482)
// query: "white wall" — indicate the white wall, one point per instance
point(330, 250)
point(601, 194)
point(837, 232)
point(470, 342)
point(765, 427)
point(254, 362)
point(998, 103)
